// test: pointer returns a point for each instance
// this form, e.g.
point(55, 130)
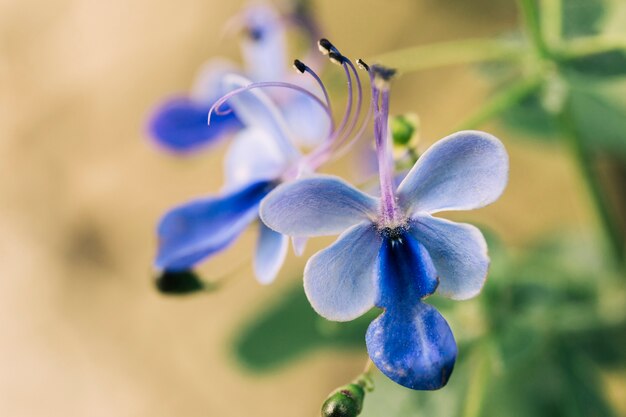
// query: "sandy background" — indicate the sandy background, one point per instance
point(82, 331)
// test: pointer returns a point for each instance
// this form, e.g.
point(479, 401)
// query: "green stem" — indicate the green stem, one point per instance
point(552, 21)
point(584, 160)
point(502, 101)
point(451, 53)
point(591, 45)
point(532, 25)
point(477, 384)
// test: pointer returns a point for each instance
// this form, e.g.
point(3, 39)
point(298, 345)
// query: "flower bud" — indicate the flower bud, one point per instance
point(346, 401)
point(178, 282)
point(404, 128)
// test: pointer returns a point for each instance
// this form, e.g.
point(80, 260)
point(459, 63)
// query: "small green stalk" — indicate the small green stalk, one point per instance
point(502, 101)
point(441, 54)
point(585, 162)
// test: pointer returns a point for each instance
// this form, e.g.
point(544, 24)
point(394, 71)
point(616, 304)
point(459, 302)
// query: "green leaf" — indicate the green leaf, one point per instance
point(530, 117)
point(583, 17)
point(600, 115)
point(289, 328)
point(605, 64)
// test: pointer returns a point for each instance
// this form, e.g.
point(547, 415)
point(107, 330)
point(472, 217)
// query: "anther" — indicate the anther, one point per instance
point(362, 65)
point(336, 58)
point(299, 65)
point(326, 47)
point(384, 73)
point(254, 32)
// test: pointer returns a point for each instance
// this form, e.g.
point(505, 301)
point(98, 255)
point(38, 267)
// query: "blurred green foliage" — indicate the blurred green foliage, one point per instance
point(592, 87)
point(289, 328)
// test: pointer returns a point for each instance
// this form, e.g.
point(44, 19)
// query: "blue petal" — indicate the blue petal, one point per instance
point(271, 251)
point(180, 125)
point(264, 50)
point(413, 347)
point(316, 206)
point(406, 272)
point(255, 109)
point(190, 233)
point(340, 281)
point(253, 156)
point(459, 253)
point(463, 171)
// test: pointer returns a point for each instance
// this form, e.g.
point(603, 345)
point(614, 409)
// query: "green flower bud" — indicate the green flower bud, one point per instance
point(404, 128)
point(179, 282)
point(346, 401)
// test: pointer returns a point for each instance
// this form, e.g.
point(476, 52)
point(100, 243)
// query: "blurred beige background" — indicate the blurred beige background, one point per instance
point(82, 331)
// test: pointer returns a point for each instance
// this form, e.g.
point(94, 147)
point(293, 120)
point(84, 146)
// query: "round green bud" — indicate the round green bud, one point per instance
point(403, 128)
point(346, 401)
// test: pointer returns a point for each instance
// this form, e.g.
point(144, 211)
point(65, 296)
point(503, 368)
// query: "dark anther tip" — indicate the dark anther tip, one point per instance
point(336, 57)
point(255, 33)
point(383, 73)
point(362, 64)
point(325, 43)
point(299, 65)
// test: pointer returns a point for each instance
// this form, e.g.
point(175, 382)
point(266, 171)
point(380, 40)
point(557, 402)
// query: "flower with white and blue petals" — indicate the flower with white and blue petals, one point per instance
point(260, 157)
point(180, 123)
point(392, 252)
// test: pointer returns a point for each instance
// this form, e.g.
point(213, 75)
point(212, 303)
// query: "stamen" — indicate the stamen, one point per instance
point(382, 76)
point(362, 65)
point(215, 108)
point(302, 67)
point(336, 58)
point(380, 97)
point(299, 65)
point(326, 47)
point(364, 123)
point(359, 102)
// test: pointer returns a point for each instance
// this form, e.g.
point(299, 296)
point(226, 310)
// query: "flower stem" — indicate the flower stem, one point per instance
point(585, 160)
point(532, 24)
point(478, 381)
point(441, 54)
point(591, 45)
point(552, 21)
point(502, 101)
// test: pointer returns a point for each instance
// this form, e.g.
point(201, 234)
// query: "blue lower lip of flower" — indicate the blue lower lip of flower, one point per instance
point(201, 228)
point(413, 346)
point(406, 272)
point(180, 125)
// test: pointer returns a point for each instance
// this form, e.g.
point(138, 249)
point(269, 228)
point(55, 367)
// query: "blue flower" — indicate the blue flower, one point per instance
point(392, 252)
point(180, 123)
point(261, 156)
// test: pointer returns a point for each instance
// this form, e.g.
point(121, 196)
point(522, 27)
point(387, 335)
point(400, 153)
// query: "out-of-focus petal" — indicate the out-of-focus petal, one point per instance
point(406, 272)
point(459, 253)
point(253, 155)
point(191, 232)
point(265, 47)
point(255, 109)
point(180, 125)
point(209, 82)
point(463, 171)
point(307, 120)
point(414, 346)
point(316, 206)
point(271, 251)
point(340, 281)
